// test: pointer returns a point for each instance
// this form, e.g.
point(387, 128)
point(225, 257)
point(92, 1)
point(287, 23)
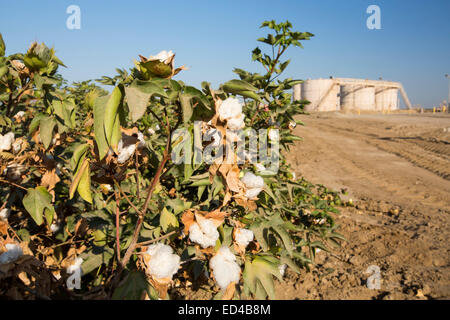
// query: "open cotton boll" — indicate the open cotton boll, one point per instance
point(125, 152)
point(6, 141)
point(163, 56)
point(252, 193)
point(282, 269)
point(4, 213)
point(19, 114)
point(224, 266)
point(17, 145)
point(204, 233)
point(230, 108)
point(13, 252)
point(163, 262)
point(237, 122)
point(54, 227)
point(141, 139)
point(244, 236)
point(252, 181)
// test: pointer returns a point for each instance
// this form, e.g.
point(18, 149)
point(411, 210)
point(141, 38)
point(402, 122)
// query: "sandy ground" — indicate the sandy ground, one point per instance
point(396, 169)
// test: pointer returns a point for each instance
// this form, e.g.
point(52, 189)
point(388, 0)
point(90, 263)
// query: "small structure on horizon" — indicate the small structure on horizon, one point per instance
point(346, 94)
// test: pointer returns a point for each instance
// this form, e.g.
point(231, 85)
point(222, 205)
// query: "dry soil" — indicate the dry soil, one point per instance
point(396, 169)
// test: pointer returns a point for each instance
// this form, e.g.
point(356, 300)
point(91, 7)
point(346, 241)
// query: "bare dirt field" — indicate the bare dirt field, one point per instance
point(396, 169)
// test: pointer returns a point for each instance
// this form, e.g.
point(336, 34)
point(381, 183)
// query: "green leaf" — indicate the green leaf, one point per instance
point(236, 86)
point(99, 132)
point(92, 261)
point(150, 87)
point(168, 220)
point(134, 287)
point(112, 105)
point(2, 46)
point(46, 133)
point(3, 70)
point(78, 156)
point(137, 102)
point(186, 107)
point(35, 201)
point(84, 186)
point(258, 276)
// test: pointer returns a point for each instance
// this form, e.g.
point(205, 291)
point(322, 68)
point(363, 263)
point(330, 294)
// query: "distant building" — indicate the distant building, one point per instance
point(336, 94)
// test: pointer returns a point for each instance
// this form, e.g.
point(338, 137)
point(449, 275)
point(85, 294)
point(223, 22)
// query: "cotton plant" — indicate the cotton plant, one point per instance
point(84, 179)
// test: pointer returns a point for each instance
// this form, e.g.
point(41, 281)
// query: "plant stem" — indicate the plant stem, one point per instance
point(117, 225)
point(151, 188)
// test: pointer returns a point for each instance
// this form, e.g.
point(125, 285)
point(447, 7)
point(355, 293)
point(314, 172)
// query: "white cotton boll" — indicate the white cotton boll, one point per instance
point(151, 131)
point(282, 269)
point(19, 114)
point(163, 262)
point(4, 213)
point(292, 124)
point(17, 145)
point(252, 181)
point(6, 141)
point(252, 193)
point(157, 127)
point(54, 227)
point(224, 266)
point(141, 139)
point(163, 56)
point(204, 233)
point(230, 108)
point(125, 152)
point(237, 122)
point(244, 236)
point(13, 252)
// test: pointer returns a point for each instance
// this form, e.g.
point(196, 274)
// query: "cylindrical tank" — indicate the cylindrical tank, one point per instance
point(354, 96)
point(322, 93)
point(386, 98)
point(298, 92)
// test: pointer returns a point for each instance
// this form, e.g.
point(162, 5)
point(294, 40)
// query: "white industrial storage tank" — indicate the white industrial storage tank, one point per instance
point(322, 93)
point(355, 96)
point(386, 98)
point(350, 94)
point(298, 92)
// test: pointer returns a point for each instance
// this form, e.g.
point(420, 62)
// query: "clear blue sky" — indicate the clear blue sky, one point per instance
point(212, 37)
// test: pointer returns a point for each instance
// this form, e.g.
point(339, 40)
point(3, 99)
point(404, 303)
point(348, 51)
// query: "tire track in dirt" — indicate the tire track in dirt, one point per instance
point(393, 167)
